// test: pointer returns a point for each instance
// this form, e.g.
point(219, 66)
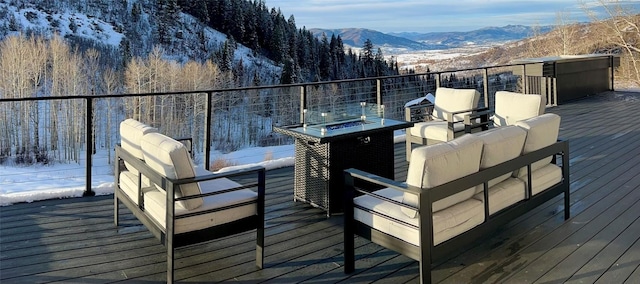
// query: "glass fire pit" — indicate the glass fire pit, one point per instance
point(327, 143)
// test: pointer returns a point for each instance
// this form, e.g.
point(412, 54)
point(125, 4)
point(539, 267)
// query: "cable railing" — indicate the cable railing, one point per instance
point(82, 130)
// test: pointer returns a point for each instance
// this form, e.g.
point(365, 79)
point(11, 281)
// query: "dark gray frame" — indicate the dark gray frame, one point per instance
point(167, 236)
point(427, 252)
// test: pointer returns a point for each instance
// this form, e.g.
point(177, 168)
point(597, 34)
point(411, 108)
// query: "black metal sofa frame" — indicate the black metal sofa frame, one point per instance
point(167, 236)
point(427, 252)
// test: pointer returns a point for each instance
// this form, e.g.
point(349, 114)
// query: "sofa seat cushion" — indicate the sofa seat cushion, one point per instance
point(129, 184)
point(542, 131)
point(155, 202)
point(500, 144)
point(435, 129)
point(171, 159)
point(544, 178)
point(504, 194)
point(438, 164)
point(512, 107)
point(447, 223)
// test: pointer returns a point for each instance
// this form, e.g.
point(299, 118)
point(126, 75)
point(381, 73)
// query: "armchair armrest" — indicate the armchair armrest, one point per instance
point(420, 112)
point(450, 115)
point(255, 169)
point(350, 189)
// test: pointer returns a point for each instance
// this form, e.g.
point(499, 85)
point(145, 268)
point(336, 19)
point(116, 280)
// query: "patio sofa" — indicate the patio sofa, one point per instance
point(201, 206)
point(458, 191)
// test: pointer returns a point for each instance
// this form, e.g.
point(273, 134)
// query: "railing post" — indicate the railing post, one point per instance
point(524, 79)
point(485, 86)
point(554, 81)
point(611, 62)
point(438, 80)
point(379, 91)
point(207, 131)
point(89, 149)
point(303, 101)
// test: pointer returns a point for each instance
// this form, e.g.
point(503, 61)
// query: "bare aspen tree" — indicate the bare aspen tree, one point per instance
point(91, 67)
point(14, 59)
point(135, 82)
point(621, 29)
point(58, 56)
point(567, 33)
point(111, 83)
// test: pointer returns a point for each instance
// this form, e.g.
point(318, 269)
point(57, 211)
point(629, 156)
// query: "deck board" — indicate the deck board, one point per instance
point(75, 240)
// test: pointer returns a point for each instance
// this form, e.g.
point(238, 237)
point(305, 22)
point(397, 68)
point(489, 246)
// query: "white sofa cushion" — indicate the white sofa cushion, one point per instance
point(171, 159)
point(438, 164)
point(512, 107)
point(435, 130)
point(500, 144)
point(129, 184)
point(131, 133)
point(447, 223)
point(155, 202)
point(544, 178)
point(452, 100)
point(542, 131)
point(503, 194)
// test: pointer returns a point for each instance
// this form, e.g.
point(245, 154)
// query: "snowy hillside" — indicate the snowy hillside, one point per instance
point(115, 28)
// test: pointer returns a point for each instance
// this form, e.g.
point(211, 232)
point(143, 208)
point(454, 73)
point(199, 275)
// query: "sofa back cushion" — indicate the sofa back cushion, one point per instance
point(501, 144)
point(131, 132)
point(171, 159)
point(512, 107)
point(452, 100)
point(438, 164)
point(542, 131)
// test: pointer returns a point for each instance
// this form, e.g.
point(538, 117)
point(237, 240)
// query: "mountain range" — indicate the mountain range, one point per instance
point(412, 41)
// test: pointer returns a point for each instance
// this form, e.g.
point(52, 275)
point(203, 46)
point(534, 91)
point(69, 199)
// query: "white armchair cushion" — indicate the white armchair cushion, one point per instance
point(501, 144)
point(512, 107)
point(503, 194)
point(171, 159)
point(438, 164)
point(155, 202)
point(131, 133)
point(447, 223)
point(542, 131)
point(434, 130)
point(452, 100)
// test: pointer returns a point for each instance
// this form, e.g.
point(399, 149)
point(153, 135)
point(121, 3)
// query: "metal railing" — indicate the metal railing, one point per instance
point(223, 120)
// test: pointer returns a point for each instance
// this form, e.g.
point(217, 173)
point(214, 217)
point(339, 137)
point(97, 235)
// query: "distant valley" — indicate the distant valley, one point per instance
point(409, 42)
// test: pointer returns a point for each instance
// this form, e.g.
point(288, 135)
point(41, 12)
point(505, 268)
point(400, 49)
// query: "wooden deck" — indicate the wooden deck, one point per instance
point(75, 241)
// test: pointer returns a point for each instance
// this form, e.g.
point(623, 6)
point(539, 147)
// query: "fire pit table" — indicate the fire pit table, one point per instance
point(323, 150)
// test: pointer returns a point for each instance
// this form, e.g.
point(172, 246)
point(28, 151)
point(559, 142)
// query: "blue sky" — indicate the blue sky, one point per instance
point(433, 15)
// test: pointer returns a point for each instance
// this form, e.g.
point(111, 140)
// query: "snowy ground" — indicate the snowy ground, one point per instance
point(39, 182)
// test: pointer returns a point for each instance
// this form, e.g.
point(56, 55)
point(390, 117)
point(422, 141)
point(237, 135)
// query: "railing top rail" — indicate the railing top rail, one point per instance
point(257, 87)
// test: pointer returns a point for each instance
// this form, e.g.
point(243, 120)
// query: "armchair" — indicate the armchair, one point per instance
point(512, 107)
point(445, 120)
point(179, 203)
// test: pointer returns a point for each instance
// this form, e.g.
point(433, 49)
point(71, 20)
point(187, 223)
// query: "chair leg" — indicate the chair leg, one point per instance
point(116, 211)
point(349, 250)
point(425, 271)
point(170, 258)
point(349, 233)
point(260, 247)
